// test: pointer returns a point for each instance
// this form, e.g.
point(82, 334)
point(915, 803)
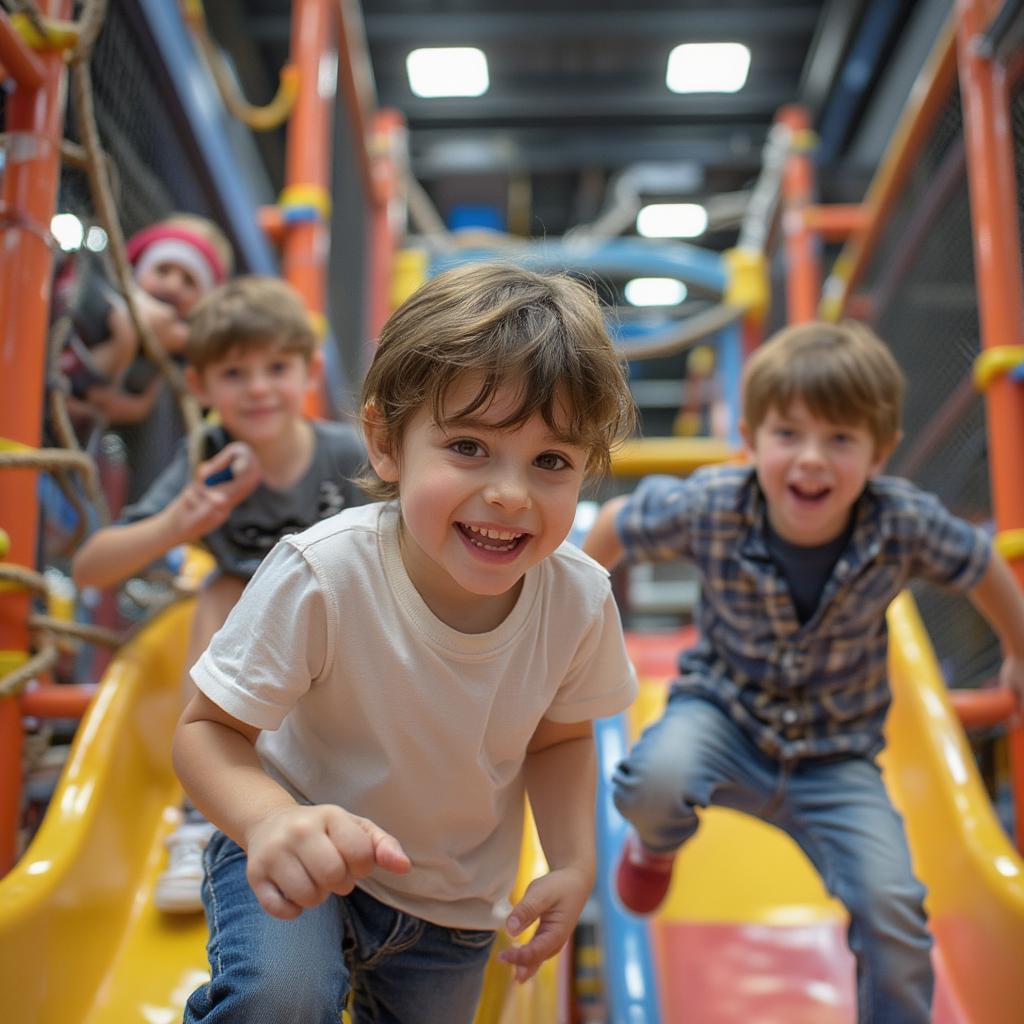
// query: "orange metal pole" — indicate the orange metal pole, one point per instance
point(34, 124)
point(355, 81)
point(979, 709)
point(17, 59)
point(308, 161)
point(836, 221)
point(992, 184)
point(387, 146)
point(58, 700)
point(803, 265)
point(930, 94)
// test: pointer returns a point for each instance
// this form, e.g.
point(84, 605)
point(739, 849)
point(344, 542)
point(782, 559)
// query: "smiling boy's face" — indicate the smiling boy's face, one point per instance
point(172, 283)
point(481, 504)
point(811, 471)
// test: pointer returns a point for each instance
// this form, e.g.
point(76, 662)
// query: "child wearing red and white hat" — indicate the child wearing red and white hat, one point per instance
point(176, 261)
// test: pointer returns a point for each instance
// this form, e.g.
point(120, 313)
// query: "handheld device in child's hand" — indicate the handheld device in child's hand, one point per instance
point(222, 476)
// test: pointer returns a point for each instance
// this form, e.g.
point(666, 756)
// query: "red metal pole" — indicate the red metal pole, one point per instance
point(306, 198)
point(35, 126)
point(803, 264)
point(992, 185)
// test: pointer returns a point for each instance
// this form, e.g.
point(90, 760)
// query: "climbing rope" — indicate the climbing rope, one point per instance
point(80, 37)
point(259, 119)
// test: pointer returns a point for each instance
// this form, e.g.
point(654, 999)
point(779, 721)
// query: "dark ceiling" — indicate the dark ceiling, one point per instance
point(578, 92)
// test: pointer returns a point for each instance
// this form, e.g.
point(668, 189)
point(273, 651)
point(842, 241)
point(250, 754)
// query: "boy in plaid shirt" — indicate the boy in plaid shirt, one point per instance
point(778, 710)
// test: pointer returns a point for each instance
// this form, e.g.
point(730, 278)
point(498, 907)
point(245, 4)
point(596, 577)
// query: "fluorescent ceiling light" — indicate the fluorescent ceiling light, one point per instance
point(655, 291)
point(707, 67)
point(447, 71)
point(672, 220)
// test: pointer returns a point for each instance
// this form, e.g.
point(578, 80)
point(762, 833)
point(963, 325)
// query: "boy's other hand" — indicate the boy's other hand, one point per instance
point(235, 464)
point(300, 855)
point(556, 899)
point(200, 508)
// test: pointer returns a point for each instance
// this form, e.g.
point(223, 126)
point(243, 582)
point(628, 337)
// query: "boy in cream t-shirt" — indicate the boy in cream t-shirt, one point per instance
point(396, 678)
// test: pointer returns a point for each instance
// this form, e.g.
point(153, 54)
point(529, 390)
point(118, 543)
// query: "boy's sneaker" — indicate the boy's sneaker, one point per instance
point(178, 889)
point(642, 877)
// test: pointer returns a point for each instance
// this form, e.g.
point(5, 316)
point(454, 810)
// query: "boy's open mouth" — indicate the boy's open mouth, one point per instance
point(807, 492)
point(489, 539)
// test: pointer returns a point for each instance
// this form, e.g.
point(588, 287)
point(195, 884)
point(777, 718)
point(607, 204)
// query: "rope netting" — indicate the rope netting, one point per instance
point(920, 286)
point(125, 165)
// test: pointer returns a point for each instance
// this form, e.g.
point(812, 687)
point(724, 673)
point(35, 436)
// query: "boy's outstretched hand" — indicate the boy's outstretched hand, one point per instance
point(300, 855)
point(219, 484)
point(556, 900)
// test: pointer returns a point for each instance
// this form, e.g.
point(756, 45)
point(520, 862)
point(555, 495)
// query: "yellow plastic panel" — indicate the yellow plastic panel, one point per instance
point(974, 876)
point(75, 915)
point(80, 939)
point(678, 455)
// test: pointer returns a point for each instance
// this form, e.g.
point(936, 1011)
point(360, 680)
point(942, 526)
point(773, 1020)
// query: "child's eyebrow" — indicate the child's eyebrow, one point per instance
point(475, 423)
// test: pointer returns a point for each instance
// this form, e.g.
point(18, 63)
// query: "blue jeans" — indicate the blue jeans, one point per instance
point(398, 969)
point(837, 811)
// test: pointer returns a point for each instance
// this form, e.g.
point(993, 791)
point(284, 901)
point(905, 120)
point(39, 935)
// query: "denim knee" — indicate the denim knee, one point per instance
point(265, 970)
point(676, 763)
point(644, 796)
point(265, 994)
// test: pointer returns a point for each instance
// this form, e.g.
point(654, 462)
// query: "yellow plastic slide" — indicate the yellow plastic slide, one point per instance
point(974, 875)
point(748, 932)
point(80, 940)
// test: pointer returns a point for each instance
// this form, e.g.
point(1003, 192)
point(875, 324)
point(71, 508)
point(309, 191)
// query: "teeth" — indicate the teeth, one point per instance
point(493, 534)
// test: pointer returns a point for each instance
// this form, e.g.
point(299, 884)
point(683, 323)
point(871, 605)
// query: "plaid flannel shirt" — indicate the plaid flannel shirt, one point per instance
point(817, 689)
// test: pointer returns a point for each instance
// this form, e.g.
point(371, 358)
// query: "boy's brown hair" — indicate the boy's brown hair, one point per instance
point(248, 311)
point(843, 373)
point(543, 332)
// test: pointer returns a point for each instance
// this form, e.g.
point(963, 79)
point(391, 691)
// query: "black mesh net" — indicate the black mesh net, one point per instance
point(921, 284)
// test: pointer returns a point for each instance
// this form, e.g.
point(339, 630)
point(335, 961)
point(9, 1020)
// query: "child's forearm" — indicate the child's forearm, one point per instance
point(999, 599)
point(116, 552)
point(121, 407)
point(221, 772)
point(561, 782)
point(602, 543)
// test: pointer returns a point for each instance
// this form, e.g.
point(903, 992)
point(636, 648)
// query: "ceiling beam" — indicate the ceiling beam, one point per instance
point(479, 26)
point(440, 152)
point(568, 102)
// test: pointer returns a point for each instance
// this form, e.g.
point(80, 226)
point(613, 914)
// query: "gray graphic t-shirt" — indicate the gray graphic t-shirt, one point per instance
point(265, 516)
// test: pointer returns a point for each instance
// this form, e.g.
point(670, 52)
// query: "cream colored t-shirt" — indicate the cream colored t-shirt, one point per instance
point(369, 701)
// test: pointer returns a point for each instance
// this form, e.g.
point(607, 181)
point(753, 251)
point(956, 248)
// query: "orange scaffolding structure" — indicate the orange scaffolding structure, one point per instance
point(35, 129)
point(299, 224)
point(985, 90)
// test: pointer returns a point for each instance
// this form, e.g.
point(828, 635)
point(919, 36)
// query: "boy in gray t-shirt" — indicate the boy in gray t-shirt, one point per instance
point(267, 471)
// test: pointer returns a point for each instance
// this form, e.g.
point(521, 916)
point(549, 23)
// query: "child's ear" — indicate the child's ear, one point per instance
point(315, 370)
point(380, 447)
point(748, 437)
point(194, 381)
point(882, 456)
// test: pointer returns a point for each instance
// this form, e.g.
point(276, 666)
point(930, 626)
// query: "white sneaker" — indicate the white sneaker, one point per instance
point(177, 890)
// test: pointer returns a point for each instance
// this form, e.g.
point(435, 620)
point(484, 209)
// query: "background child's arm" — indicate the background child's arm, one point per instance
point(561, 778)
point(602, 543)
point(116, 552)
point(998, 597)
point(118, 406)
point(170, 330)
point(298, 855)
